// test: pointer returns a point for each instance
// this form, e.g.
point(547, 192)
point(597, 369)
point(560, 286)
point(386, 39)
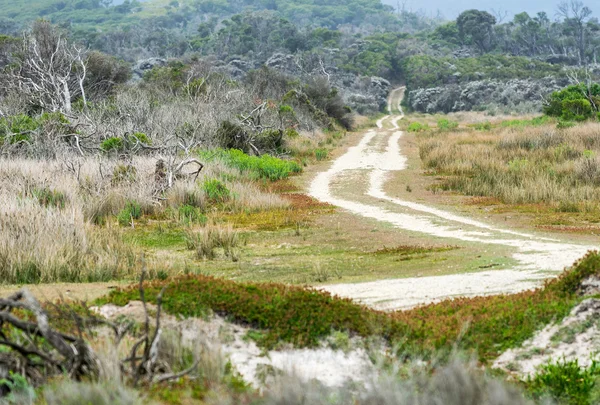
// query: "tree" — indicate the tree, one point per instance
point(527, 32)
point(576, 16)
point(49, 71)
point(476, 27)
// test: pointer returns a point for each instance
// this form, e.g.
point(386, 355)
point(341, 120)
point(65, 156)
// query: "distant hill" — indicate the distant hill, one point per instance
point(451, 9)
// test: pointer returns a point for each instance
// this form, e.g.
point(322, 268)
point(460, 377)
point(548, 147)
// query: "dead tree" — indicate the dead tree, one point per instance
point(40, 352)
point(50, 72)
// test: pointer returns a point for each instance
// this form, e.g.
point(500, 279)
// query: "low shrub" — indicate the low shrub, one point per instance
point(50, 198)
point(113, 144)
point(132, 210)
point(139, 137)
point(216, 191)
point(417, 127)
point(189, 214)
point(447, 125)
point(258, 167)
point(123, 174)
point(567, 382)
point(321, 154)
point(483, 126)
point(577, 102)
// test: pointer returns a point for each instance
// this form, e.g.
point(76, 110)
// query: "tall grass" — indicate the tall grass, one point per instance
point(56, 218)
point(208, 239)
point(520, 164)
point(46, 234)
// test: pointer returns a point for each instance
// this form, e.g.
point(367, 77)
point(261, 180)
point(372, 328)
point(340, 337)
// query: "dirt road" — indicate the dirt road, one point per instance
point(378, 154)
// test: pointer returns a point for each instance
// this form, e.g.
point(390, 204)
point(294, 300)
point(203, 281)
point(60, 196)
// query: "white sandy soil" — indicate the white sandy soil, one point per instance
point(536, 258)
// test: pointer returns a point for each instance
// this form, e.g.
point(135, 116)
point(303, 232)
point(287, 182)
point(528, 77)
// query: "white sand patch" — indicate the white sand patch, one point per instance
point(331, 367)
point(535, 255)
point(577, 337)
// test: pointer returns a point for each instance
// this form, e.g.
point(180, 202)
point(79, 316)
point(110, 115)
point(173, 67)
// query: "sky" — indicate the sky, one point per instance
point(451, 8)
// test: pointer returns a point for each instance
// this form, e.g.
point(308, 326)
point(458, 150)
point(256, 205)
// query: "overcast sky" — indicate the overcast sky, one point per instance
point(451, 8)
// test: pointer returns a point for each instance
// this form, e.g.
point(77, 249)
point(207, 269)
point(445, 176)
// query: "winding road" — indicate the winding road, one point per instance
point(377, 155)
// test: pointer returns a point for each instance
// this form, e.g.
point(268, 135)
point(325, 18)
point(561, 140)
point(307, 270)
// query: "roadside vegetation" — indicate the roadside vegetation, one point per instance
point(544, 164)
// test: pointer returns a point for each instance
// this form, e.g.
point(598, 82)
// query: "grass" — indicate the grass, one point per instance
point(520, 162)
point(487, 325)
point(410, 250)
point(211, 237)
point(256, 167)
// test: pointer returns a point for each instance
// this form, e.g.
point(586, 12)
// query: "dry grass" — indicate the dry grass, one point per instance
point(520, 165)
point(58, 219)
point(208, 239)
point(50, 238)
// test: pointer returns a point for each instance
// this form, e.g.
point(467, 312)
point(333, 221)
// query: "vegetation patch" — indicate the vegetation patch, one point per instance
point(487, 325)
point(257, 167)
point(409, 252)
point(567, 382)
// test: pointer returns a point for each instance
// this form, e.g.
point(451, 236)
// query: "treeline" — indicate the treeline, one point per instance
point(572, 38)
point(330, 38)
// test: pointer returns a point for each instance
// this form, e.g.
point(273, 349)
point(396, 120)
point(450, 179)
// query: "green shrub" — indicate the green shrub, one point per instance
point(139, 136)
point(216, 191)
point(567, 382)
point(483, 126)
point(112, 144)
point(132, 211)
point(417, 127)
point(19, 391)
point(257, 167)
point(291, 133)
point(303, 317)
point(537, 121)
point(17, 128)
point(575, 103)
point(321, 154)
point(446, 125)
point(562, 124)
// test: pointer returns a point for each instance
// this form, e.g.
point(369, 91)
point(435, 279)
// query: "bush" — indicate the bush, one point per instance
point(567, 382)
point(50, 198)
point(258, 167)
point(112, 144)
point(216, 191)
point(132, 211)
point(417, 127)
point(123, 174)
point(483, 126)
point(575, 103)
point(138, 136)
point(304, 317)
point(321, 154)
point(446, 125)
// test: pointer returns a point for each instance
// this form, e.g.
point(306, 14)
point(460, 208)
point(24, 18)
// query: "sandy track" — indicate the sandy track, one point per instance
point(379, 153)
